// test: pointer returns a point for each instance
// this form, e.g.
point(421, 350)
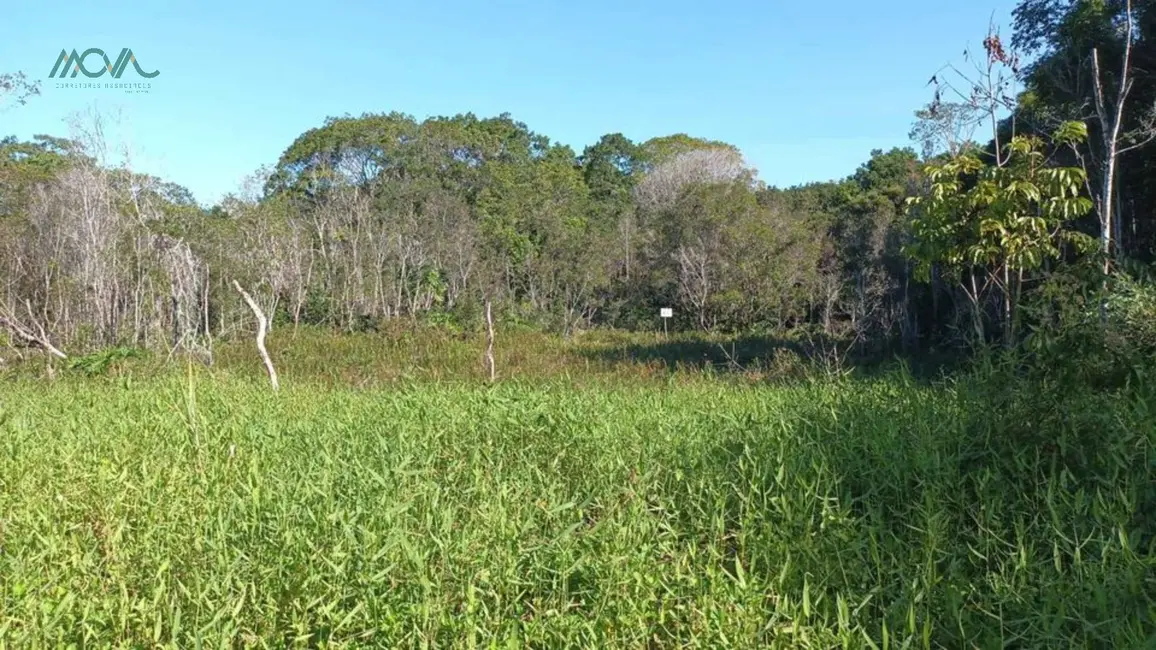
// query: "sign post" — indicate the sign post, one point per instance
point(665, 313)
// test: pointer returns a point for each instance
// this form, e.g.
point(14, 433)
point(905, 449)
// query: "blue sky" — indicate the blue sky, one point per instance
point(805, 89)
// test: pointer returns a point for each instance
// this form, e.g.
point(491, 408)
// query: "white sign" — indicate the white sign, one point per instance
point(666, 312)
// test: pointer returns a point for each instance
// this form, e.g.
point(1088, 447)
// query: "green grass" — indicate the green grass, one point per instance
point(201, 510)
point(406, 353)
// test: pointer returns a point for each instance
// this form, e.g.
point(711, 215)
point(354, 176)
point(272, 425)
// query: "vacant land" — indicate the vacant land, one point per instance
point(199, 508)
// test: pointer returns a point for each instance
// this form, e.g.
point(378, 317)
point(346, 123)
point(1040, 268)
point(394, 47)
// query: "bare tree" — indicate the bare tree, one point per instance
point(17, 87)
point(987, 95)
point(188, 279)
point(70, 266)
point(695, 281)
point(1110, 112)
point(661, 186)
point(945, 127)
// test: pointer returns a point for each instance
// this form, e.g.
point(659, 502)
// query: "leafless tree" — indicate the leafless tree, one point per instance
point(661, 186)
point(188, 279)
point(1110, 113)
point(945, 127)
point(15, 87)
point(695, 281)
point(85, 268)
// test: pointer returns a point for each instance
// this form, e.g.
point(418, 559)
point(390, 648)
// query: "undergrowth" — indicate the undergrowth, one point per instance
point(200, 509)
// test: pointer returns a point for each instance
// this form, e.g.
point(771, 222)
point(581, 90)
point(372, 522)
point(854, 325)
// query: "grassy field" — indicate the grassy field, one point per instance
point(650, 507)
point(435, 354)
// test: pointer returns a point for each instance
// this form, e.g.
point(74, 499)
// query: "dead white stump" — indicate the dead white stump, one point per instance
point(490, 341)
point(262, 328)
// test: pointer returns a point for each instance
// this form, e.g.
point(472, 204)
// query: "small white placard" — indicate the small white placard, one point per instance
point(666, 312)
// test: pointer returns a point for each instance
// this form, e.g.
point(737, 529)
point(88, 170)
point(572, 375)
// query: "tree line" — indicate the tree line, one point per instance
point(1025, 175)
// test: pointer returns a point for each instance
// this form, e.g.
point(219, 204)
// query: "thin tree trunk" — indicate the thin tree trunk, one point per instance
point(490, 341)
point(262, 328)
point(976, 311)
point(1110, 132)
point(1008, 333)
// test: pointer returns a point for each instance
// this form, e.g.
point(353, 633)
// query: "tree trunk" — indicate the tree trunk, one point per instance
point(262, 328)
point(1008, 330)
point(490, 341)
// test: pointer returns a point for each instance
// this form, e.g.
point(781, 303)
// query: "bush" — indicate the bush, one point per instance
point(1131, 311)
point(98, 363)
point(1083, 332)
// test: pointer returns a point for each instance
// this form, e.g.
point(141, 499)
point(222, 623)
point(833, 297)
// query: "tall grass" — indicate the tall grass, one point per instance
point(200, 510)
point(412, 352)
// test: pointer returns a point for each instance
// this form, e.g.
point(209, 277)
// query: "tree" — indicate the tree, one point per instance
point(611, 169)
point(665, 180)
point(656, 151)
point(355, 151)
point(536, 220)
point(15, 86)
point(945, 127)
point(1110, 113)
point(1095, 66)
point(987, 225)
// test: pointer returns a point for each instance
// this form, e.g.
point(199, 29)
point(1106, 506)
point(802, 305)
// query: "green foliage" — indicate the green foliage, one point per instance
point(663, 148)
point(998, 221)
point(1063, 35)
point(205, 510)
point(1086, 332)
point(447, 320)
point(1012, 216)
point(1131, 310)
point(609, 168)
point(1071, 134)
point(23, 165)
point(98, 363)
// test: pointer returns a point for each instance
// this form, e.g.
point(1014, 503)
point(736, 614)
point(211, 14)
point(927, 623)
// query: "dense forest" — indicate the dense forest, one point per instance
point(1019, 211)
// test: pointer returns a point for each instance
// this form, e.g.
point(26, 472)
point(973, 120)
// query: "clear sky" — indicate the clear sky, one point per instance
point(805, 88)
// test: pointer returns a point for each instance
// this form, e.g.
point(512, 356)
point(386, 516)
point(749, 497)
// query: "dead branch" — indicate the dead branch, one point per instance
point(489, 341)
point(731, 357)
point(262, 328)
point(40, 340)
